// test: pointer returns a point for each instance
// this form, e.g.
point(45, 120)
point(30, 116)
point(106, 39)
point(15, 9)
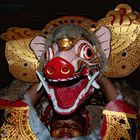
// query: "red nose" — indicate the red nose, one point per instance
point(58, 68)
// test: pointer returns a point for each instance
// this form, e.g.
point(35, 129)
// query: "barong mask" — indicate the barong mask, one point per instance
point(71, 58)
point(71, 52)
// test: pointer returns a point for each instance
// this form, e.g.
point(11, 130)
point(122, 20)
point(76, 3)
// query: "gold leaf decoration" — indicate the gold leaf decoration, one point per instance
point(124, 25)
point(113, 125)
point(22, 61)
point(18, 126)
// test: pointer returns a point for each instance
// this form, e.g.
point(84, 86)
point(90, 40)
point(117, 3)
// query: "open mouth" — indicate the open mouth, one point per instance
point(67, 95)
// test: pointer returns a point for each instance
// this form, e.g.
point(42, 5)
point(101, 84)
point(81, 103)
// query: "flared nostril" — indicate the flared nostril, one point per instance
point(50, 70)
point(58, 68)
point(65, 70)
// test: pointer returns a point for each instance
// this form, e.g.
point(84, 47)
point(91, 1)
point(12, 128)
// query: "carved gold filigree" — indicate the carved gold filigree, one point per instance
point(21, 59)
point(124, 25)
point(117, 125)
point(17, 125)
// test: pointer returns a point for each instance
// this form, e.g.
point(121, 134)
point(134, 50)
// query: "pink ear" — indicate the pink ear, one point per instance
point(104, 36)
point(38, 46)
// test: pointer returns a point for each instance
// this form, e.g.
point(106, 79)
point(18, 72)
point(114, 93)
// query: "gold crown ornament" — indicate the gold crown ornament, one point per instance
point(21, 59)
point(124, 24)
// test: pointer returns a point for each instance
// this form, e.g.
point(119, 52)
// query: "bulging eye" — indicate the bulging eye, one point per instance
point(51, 51)
point(85, 51)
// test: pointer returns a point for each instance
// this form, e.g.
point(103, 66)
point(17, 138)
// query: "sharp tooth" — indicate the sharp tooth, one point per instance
point(39, 86)
point(80, 97)
point(89, 77)
point(71, 78)
point(54, 80)
point(75, 77)
point(63, 79)
point(43, 81)
point(50, 80)
point(95, 84)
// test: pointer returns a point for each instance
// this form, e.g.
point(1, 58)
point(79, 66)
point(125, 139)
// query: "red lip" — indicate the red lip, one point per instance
point(66, 96)
point(67, 93)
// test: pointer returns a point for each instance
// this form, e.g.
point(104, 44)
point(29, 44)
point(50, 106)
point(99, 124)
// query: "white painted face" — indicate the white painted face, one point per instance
point(70, 73)
point(82, 51)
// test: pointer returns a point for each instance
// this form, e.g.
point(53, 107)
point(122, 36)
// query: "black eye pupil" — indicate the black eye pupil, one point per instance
point(89, 52)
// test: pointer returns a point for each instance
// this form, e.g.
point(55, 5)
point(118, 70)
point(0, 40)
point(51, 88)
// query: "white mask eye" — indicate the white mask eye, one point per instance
point(84, 50)
point(51, 51)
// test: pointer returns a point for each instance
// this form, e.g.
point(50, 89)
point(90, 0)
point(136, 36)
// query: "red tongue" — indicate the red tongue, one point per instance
point(66, 96)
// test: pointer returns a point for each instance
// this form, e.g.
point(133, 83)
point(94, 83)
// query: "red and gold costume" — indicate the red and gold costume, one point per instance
point(15, 121)
point(68, 55)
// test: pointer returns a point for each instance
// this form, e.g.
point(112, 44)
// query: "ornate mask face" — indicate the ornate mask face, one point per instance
point(71, 64)
point(123, 22)
point(71, 57)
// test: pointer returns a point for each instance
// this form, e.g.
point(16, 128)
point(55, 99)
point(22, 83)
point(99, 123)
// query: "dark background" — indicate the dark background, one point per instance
point(35, 14)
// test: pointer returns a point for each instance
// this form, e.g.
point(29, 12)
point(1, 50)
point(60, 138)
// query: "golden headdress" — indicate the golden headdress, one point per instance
point(123, 23)
point(22, 61)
